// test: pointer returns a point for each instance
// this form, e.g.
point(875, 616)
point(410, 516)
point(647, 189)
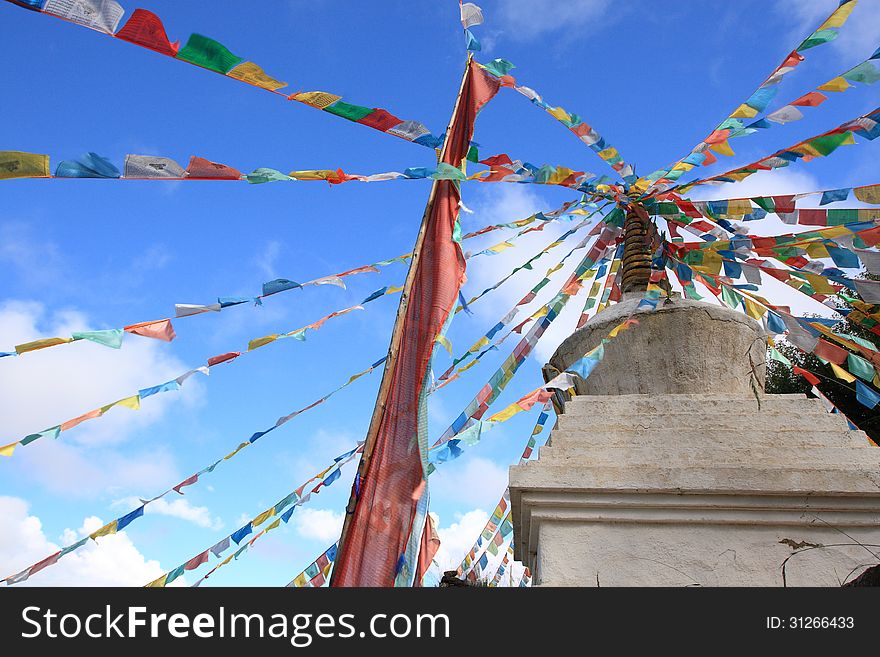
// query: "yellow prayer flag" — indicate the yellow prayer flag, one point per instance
point(274, 525)
point(754, 310)
point(613, 334)
point(109, 528)
point(837, 84)
point(263, 517)
point(7, 450)
point(817, 250)
point(498, 248)
point(744, 112)
point(133, 402)
point(312, 174)
point(235, 451)
point(609, 153)
point(319, 99)
point(818, 283)
point(838, 18)
point(722, 148)
point(507, 413)
point(467, 367)
point(157, 583)
point(841, 373)
point(15, 164)
point(444, 341)
point(300, 580)
point(555, 268)
point(479, 344)
point(560, 114)
point(739, 207)
point(40, 344)
point(538, 314)
point(259, 342)
point(392, 290)
point(868, 194)
point(253, 74)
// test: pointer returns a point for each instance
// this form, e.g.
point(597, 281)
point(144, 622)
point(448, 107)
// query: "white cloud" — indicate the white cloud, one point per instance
point(44, 388)
point(320, 524)
point(457, 539)
point(176, 508)
point(111, 561)
point(529, 20)
point(475, 480)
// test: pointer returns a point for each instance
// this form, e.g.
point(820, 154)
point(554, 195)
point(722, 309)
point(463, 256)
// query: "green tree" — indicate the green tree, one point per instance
point(782, 380)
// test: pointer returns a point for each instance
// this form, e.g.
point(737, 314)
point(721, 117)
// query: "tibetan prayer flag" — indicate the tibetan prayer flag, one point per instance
point(860, 367)
point(100, 15)
point(207, 53)
point(201, 168)
point(40, 344)
point(809, 376)
point(380, 120)
point(16, 164)
point(830, 352)
point(223, 358)
point(253, 74)
point(378, 531)
point(127, 519)
point(110, 338)
point(318, 99)
point(866, 396)
point(148, 166)
point(90, 165)
point(868, 194)
point(841, 373)
point(241, 533)
point(833, 195)
point(145, 29)
point(348, 111)
point(160, 329)
point(154, 390)
point(195, 562)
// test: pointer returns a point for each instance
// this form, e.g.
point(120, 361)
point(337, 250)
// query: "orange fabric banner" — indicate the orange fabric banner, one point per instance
point(384, 511)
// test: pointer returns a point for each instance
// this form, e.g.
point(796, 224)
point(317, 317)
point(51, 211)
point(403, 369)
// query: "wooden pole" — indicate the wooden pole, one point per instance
point(397, 331)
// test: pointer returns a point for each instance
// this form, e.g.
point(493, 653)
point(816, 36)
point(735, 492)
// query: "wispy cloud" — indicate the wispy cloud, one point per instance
point(179, 508)
point(526, 21)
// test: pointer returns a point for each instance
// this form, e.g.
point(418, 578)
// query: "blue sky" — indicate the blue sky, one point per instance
point(652, 78)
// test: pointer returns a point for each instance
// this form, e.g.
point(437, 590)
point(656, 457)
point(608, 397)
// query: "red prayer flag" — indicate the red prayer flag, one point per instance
point(811, 99)
point(160, 329)
point(145, 29)
point(381, 523)
point(807, 375)
point(216, 360)
point(380, 120)
point(186, 482)
point(830, 352)
point(199, 167)
point(195, 562)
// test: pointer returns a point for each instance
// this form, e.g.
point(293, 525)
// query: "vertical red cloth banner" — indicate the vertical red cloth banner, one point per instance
point(377, 531)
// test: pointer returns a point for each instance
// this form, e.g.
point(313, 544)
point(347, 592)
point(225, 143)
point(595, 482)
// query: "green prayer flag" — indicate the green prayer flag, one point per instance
point(827, 144)
point(210, 54)
point(348, 111)
point(730, 297)
point(860, 367)
point(110, 338)
point(264, 175)
point(817, 39)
